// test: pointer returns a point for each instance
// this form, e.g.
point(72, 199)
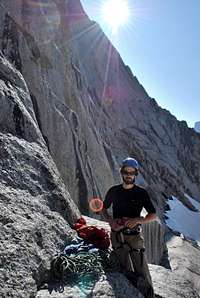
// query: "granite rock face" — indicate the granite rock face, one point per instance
point(35, 38)
point(185, 261)
point(36, 210)
point(66, 122)
point(111, 285)
point(168, 283)
point(131, 123)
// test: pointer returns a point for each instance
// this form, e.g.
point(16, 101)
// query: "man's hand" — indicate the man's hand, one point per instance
point(115, 225)
point(132, 222)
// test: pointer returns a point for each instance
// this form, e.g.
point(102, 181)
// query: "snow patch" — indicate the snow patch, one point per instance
point(197, 127)
point(183, 220)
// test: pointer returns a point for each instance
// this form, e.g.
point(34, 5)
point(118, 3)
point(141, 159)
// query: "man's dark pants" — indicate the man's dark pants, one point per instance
point(129, 249)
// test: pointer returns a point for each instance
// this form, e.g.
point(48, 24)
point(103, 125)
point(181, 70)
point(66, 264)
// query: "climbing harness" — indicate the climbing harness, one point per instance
point(134, 231)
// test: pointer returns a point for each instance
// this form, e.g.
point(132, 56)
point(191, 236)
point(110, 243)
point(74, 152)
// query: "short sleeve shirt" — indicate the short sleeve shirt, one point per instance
point(128, 202)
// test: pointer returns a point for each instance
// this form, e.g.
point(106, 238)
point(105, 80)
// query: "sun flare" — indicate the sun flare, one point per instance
point(116, 13)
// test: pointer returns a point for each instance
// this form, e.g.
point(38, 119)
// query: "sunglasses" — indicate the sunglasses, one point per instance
point(127, 173)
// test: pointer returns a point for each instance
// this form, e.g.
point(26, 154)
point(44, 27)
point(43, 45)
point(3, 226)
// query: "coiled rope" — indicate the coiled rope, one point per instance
point(65, 267)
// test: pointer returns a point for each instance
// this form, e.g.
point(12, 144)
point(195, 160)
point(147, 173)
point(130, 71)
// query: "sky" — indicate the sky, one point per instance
point(161, 44)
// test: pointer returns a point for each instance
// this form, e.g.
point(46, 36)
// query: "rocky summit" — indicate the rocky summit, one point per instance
point(66, 122)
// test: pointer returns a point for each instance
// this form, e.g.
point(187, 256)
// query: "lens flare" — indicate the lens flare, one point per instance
point(116, 13)
point(96, 204)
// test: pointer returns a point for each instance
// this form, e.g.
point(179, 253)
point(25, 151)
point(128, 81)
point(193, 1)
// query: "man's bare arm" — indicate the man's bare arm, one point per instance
point(112, 222)
point(132, 222)
point(149, 217)
point(106, 216)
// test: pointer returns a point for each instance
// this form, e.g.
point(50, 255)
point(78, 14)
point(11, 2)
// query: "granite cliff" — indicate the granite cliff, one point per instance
point(66, 122)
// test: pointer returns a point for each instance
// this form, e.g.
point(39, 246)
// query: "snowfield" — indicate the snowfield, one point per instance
point(183, 220)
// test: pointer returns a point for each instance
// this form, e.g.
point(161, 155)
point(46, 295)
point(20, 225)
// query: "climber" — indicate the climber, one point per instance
point(127, 200)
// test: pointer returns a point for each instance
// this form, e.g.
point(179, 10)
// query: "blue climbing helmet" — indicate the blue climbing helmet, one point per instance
point(130, 162)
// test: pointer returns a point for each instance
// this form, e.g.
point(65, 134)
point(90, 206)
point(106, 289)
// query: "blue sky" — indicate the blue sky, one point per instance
point(161, 44)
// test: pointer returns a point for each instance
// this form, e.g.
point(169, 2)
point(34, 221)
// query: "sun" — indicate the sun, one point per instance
point(115, 13)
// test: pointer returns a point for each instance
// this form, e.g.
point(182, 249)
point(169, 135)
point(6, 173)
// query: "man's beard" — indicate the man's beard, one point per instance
point(128, 180)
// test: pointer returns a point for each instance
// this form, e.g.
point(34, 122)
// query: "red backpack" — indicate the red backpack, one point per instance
point(97, 236)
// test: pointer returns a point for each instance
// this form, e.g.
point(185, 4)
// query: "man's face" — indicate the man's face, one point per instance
point(128, 175)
